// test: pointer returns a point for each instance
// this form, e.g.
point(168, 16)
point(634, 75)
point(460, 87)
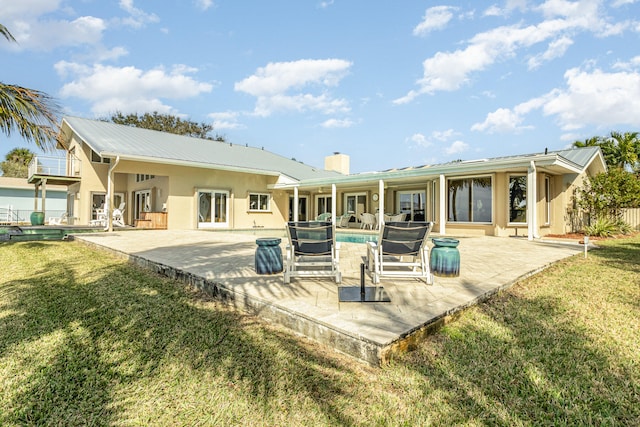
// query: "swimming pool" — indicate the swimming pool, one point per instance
point(356, 237)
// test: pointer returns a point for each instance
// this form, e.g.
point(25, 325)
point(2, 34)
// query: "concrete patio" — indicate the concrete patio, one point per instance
point(223, 265)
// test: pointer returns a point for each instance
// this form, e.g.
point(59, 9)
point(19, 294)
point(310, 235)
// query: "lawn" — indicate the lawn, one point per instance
point(87, 339)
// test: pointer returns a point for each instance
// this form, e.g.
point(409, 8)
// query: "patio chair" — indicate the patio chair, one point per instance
point(101, 219)
point(312, 251)
point(401, 251)
point(343, 221)
point(62, 219)
point(368, 220)
point(118, 215)
point(324, 217)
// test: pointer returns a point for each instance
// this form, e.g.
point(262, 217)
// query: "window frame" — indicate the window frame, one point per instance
point(260, 197)
point(473, 201)
point(526, 186)
point(97, 158)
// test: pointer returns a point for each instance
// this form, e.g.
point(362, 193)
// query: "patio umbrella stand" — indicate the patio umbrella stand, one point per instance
point(362, 293)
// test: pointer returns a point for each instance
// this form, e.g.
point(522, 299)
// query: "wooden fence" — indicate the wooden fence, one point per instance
point(632, 217)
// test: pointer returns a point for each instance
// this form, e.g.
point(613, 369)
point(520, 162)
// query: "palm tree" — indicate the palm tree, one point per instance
point(16, 163)
point(33, 114)
point(627, 145)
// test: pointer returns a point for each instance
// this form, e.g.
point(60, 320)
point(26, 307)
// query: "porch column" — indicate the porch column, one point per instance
point(333, 204)
point(380, 203)
point(35, 198)
point(295, 204)
point(442, 220)
point(532, 192)
point(44, 194)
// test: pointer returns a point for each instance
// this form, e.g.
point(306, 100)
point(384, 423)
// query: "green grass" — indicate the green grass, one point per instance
point(87, 339)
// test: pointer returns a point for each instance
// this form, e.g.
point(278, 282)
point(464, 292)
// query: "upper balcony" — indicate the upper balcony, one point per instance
point(55, 170)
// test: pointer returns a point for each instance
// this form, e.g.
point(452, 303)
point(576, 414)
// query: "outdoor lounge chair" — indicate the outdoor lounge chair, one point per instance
point(312, 251)
point(62, 219)
point(401, 251)
point(343, 221)
point(324, 217)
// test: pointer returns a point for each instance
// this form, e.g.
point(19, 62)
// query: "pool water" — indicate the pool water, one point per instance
point(356, 237)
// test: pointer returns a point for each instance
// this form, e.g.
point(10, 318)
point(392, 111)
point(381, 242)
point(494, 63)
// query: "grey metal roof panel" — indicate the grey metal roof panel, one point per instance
point(107, 138)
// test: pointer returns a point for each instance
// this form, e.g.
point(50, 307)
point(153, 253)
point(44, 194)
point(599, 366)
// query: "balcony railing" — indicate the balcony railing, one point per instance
point(69, 166)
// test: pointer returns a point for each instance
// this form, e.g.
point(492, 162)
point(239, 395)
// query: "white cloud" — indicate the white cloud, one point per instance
point(273, 86)
point(225, 120)
point(325, 4)
point(449, 71)
point(590, 98)
point(420, 140)
point(556, 49)
point(47, 35)
point(596, 98)
point(128, 89)
point(337, 123)
point(137, 17)
point(204, 4)
point(457, 147)
point(435, 18)
point(503, 120)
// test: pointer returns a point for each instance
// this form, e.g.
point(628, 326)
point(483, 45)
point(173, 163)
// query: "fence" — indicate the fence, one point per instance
point(23, 216)
point(632, 217)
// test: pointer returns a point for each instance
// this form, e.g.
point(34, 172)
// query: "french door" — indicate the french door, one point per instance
point(213, 208)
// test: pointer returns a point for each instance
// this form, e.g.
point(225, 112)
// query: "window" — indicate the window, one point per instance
point(547, 200)
point(355, 203)
point(95, 158)
point(412, 203)
point(518, 199)
point(302, 208)
point(259, 202)
point(470, 200)
point(143, 177)
point(323, 205)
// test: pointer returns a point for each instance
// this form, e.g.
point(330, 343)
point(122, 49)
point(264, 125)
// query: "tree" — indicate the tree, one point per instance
point(620, 150)
point(606, 195)
point(16, 163)
point(165, 123)
point(33, 114)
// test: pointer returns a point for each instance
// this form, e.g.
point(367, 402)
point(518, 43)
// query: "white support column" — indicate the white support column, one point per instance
point(295, 204)
point(380, 203)
point(44, 195)
point(442, 208)
point(532, 196)
point(333, 204)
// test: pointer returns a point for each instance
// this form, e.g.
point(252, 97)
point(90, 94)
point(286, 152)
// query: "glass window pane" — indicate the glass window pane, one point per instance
point(482, 200)
point(518, 199)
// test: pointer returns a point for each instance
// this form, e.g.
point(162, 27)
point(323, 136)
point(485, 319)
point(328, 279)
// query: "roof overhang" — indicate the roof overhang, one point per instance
point(553, 164)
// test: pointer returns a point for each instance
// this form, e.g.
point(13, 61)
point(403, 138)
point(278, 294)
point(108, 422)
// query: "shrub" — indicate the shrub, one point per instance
point(606, 227)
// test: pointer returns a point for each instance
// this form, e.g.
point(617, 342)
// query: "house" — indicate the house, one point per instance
point(17, 200)
point(191, 183)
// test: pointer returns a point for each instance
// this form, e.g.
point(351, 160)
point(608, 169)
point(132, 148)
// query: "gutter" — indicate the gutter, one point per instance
point(109, 199)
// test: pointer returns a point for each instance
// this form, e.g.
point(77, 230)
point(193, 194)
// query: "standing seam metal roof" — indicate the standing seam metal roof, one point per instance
point(110, 139)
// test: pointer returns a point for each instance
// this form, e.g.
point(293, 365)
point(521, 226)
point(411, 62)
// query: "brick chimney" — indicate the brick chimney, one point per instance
point(337, 162)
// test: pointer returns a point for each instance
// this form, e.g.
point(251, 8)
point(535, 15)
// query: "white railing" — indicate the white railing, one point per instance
point(55, 166)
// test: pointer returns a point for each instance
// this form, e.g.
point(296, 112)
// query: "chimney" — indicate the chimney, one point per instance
point(337, 162)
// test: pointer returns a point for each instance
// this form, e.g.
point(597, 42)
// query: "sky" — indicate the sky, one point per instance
point(390, 83)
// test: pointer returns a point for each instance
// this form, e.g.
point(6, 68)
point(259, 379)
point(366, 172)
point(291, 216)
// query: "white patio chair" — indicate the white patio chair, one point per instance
point(118, 215)
point(62, 219)
point(368, 220)
point(401, 251)
point(312, 251)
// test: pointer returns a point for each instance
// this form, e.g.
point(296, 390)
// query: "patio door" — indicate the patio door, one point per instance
point(413, 204)
point(355, 203)
point(142, 202)
point(213, 208)
point(302, 208)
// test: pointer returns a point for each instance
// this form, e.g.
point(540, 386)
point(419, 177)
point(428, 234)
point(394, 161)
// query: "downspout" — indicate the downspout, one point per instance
point(109, 199)
point(532, 196)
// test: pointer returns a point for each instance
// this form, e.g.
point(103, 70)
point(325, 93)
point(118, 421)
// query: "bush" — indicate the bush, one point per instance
point(605, 227)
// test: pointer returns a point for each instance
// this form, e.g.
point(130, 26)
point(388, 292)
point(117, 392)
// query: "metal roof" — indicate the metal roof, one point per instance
point(110, 140)
point(573, 160)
